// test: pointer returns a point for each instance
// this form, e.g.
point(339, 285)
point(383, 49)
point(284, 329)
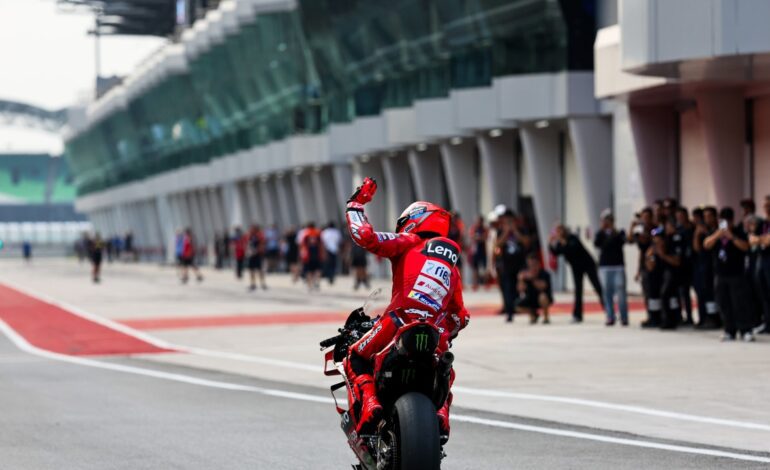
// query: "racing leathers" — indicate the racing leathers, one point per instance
point(426, 285)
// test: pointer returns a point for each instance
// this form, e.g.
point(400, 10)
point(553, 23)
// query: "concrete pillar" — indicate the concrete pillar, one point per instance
point(542, 150)
point(343, 183)
point(233, 205)
point(148, 223)
point(428, 175)
point(592, 140)
point(304, 199)
point(723, 116)
point(325, 194)
point(142, 226)
point(461, 170)
point(196, 221)
point(167, 226)
point(178, 209)
point(377, 210)
point(398, 182)
point(254, 212)
point(761, 123)
point(269, 200)
point(287, 207)
point(499, 178)
point(654, 130)
point(219, 223)
point(206, 216)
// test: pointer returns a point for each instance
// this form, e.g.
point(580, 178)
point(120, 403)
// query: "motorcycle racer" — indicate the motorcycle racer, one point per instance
point(426, 285)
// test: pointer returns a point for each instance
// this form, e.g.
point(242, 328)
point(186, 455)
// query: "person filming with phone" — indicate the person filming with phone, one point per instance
point(729, 246)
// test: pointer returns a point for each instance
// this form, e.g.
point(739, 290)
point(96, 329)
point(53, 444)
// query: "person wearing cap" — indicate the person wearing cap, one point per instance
point(612, 270)
point(729, 245)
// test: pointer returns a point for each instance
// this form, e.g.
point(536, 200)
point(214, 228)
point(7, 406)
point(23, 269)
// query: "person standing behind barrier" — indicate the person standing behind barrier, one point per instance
point(239, 251)
point(478, 252)
point(26, 251)
point(581, 263)
point(640, 230)
point(612, 270)
point(534, 286)
point(511, 247)
point(729, 245)
point(255, 252)
point(272, 248)
point(703, 269)
point(762, 242)
point(359, 262)
point(663, 261)
point(178, 251)
point(188, 257)
point(683, 237)
point(95, 248)
point(331, 238)
point(312, 255)
point(457, 235)
point(291, 248)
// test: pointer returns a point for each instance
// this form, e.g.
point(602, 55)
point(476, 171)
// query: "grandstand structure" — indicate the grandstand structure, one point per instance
point(268, 111)
point(37, 191)
point(17, 113)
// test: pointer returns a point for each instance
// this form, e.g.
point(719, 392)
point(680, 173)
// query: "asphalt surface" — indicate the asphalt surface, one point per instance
point(58, 415)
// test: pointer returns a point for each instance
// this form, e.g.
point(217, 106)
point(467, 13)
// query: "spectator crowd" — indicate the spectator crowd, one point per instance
point(721, 256)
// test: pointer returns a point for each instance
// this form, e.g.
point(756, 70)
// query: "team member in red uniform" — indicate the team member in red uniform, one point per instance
point(426, 284)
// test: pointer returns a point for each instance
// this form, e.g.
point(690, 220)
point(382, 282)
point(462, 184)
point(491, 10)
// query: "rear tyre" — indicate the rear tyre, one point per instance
point(418, 435)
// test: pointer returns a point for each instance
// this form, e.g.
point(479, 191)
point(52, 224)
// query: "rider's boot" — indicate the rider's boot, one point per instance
point(443, 419)
point(371, 409)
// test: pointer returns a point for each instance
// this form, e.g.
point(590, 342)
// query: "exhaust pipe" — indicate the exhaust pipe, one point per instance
point(445, 363)
point(447, 358)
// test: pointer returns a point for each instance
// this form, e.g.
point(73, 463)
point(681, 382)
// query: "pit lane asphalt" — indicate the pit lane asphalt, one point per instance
point(59, 415)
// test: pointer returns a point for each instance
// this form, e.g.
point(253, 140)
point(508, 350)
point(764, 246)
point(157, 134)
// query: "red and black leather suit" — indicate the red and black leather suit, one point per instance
point(426, 284)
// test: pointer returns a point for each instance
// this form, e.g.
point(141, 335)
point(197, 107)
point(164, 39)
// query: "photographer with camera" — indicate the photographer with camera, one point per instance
point(567, 244)
point(730, 246)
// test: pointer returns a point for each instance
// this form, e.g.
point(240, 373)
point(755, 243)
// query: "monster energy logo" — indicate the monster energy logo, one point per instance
point(407, 375)
point(421, 341)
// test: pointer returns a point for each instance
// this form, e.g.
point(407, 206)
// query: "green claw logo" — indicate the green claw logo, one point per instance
point(421, 341)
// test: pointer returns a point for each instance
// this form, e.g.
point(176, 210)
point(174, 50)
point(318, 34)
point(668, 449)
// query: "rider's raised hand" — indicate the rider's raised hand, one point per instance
point(365, 192)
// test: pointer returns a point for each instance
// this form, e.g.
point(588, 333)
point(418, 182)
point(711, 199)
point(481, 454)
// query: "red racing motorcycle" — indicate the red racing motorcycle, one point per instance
point(412, 382)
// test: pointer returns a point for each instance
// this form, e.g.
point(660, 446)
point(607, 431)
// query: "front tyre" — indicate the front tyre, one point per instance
point(414, 418)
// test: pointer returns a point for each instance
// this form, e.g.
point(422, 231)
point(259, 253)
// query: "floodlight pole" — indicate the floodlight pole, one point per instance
point(97, 49)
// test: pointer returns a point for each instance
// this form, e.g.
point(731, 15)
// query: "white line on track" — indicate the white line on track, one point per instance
point(25, 346)
point(461, 390)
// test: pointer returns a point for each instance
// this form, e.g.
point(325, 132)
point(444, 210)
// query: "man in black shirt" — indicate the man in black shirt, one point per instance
point(612, 270)
point(663, 260)
point(729, 246)
point(640, 233)
point(582, 264)
point(535, 288)
point(510, 257)
point(683, 237)
point(762, 242)
point(703, 273)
